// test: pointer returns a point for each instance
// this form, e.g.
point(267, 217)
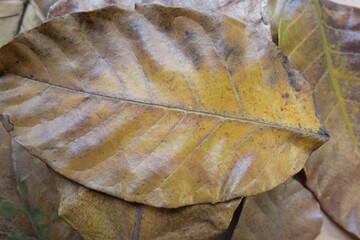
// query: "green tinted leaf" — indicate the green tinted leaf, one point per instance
point(22, 187)
point(7, 209)
point(36, 215)
point(44, 231)
point(18, 236)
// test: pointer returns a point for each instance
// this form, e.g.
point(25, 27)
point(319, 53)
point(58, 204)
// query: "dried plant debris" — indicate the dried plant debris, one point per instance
point(328, 56)
point(158, 105)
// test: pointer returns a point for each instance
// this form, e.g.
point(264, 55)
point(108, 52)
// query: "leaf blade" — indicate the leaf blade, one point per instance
point(265, 215)
point(163, 127)
point(330, 68)
point(115, 217)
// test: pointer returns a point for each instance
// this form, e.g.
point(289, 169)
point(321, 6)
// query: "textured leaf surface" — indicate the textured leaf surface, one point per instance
point(332, 231)
point(289, 211)
point(28, 199)
point(251, 11)
point(10, 15)
point(163, 106)
point(35, 13)
point(63, 7)
point(328, 56)
point(44, 5)
point(11, 219)
point(99, 216)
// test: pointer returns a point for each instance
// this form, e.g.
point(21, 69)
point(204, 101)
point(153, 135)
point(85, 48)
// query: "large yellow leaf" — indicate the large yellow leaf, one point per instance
point(164, 106)
point(253, 12)
point(99, 216)
point(289, 211)
point(322, 40)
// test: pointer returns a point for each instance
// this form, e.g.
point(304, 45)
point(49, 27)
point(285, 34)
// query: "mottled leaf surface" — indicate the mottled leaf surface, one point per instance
point(322, 40)
point(289, 211)
point(253, 12)
point(164, 106)
point(63, 7)
point(99, 216)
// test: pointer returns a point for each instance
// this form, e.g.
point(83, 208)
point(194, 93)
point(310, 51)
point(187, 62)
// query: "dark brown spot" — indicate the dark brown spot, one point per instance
point(228, 53)
point(286, 95)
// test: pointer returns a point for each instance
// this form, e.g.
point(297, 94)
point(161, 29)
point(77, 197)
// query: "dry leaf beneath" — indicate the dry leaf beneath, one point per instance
point(99, 216)
point(253, 12)
point(44, 5)
point(10, 16)
point(163, 106)
point(64, 7)
point(28, 199)
point(328, 56)
point(12, 219)
point(332, 231)
point(289, 211)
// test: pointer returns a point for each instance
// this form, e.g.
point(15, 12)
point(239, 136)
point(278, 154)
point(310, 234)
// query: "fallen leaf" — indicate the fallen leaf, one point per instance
point(12, 219)
point(35, 12)
point(28, 199)
point(63, 7)
point(253, 12)
point(289, 211)
point(99, 216)
point(331, 231)
point(10, 16)
point(328, 56)
point(163, 106)
point(43, 5)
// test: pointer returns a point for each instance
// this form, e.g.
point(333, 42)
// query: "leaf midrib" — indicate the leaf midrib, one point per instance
point(316, 135)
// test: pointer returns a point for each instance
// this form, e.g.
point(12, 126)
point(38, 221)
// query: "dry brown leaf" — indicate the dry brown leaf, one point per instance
point(12, 219)
point(28, 199)
point(289, 211)
point(99, 216)
point(35, 13)
point(43, 5)
point(163, 106)
point(328, 56)
point(40, 195)
point(10, 15)
point(331, 231)
point(63, 7)
point(252, 12)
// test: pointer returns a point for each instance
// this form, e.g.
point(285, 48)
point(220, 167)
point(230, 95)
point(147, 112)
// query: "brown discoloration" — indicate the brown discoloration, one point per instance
point(286, 205)
point(5, 120)
point(329, 56)
point(286, 95)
